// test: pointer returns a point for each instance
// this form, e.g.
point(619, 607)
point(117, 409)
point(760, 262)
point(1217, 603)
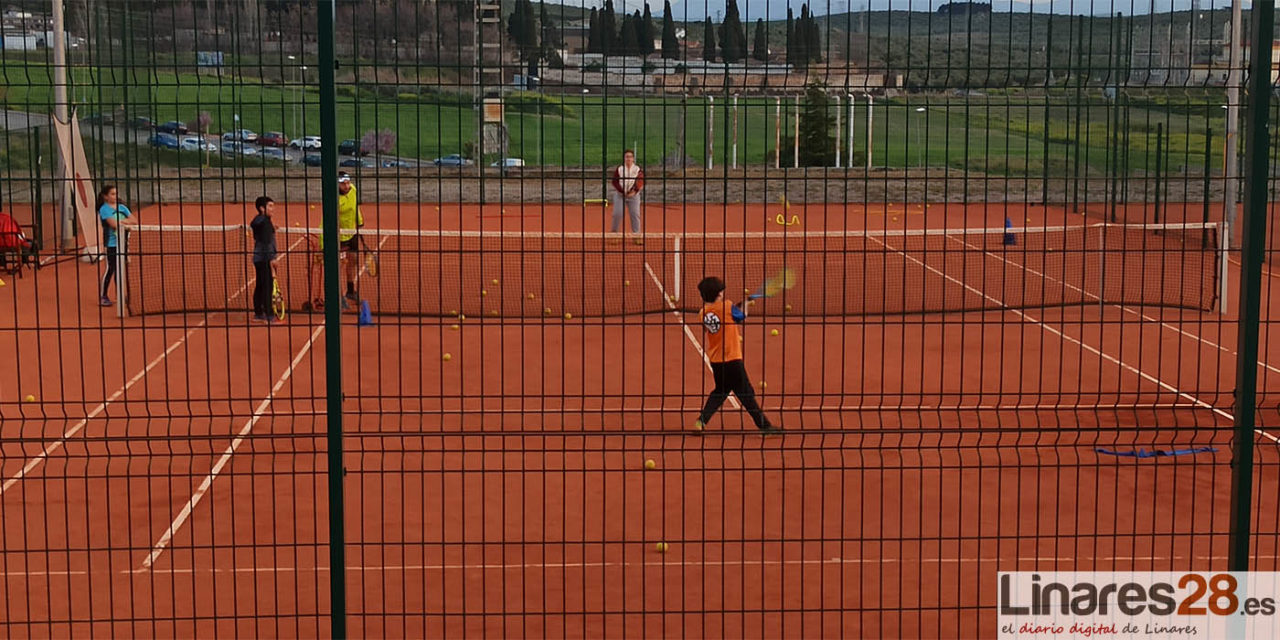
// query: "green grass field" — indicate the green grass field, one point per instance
point(999, 134)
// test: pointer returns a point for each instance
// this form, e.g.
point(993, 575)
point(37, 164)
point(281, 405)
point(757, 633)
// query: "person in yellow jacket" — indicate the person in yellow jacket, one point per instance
point(349, 222)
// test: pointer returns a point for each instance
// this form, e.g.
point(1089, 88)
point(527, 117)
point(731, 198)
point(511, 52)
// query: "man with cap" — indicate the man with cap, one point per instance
point(349, 222)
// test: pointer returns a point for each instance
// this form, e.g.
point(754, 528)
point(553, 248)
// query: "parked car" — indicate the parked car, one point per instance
point(140, 123)
point(173, 127)
point(349, 147)
point(273, 139)
point(356, 162)
point(273, 153)
point(98, 118)
point(312, 160)
point(237, 147)
point(164, 141)
point(453, 160)
point(196, 143)
point(508, 163)
point(305, 142)
point(240, 135)
point(396, 164)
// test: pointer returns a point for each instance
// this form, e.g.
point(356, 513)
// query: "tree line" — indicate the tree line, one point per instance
point(537, 37)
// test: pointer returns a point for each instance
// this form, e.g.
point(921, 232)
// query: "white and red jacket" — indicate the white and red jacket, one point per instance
point(624, 179)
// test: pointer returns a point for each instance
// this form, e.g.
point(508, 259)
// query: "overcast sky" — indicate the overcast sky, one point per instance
point(696, 10)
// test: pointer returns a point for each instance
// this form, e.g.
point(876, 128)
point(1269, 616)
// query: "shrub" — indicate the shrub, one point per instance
point(537, 103)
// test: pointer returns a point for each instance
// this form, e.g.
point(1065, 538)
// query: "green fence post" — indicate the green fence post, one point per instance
point(332, 316)
point(1253, 248)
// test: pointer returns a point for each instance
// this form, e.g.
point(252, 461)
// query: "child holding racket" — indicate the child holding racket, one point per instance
point(720, 319)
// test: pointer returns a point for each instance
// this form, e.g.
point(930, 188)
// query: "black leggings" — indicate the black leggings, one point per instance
point(111, 271)
point(731, 377)
point(262, 289)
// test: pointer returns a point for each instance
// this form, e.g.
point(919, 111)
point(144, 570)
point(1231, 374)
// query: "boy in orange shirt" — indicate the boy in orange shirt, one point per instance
point(720, 319)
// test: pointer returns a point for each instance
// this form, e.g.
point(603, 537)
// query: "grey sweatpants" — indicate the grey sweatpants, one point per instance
point(632, 205)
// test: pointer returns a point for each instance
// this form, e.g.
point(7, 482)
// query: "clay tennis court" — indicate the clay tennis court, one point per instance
point(182, 491)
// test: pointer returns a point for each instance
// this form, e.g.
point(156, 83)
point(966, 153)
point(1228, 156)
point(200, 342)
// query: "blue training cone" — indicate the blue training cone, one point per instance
point(366, 314)
point(1009, 238)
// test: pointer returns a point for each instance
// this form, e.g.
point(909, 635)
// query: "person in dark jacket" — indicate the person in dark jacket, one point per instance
point(264, 255)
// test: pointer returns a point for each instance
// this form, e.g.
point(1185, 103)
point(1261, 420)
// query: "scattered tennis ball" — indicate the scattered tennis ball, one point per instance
point(895, 218)
point(763, 384)
point(774, 332)
point(2, 283)
point(446, 357)
point(661, 547)
point(650, 464)
point(493, 312)
point(313, 206)
point(29, 398)
point(484, 292)
point(530, 295)
point(568, 316)
point(462, 316)
point(1028, 219)
point(626, 283)
point(494, 282)
point(453, 327)
point(453, 312)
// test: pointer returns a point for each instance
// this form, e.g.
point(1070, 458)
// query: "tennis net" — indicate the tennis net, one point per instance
point(535, 274)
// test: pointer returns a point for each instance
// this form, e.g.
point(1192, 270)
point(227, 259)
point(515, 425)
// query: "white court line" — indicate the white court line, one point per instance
point(205, 484)
point(669, 563)
point(686, 405)
point(1029, 318)
point(1193, 337)
point(200, 491)
point(70, 433)
point(697, 345)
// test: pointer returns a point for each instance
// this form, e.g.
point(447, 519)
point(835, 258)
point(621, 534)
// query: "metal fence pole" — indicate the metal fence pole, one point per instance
point(1253, 249)
point(332, 317)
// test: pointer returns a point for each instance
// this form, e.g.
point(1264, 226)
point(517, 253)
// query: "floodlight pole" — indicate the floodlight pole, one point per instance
point(1231, 170)
point(60, 114)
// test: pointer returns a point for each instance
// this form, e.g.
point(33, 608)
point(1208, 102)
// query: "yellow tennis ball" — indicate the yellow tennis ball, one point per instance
point(462, 316)
point(446, 357)
point(568, 316)
point(787, 308)
point(29, 398)
point(774, 332)
point(530, 295)
point(650, 464)
point(895, 218)
point(1028, 219)
point(661, 547)
point(547, 311)
point(313, 206)
point(484, 292)
point(763, 384)
point(493, 312)
point(453, 327)
point(626, 283)
point(494, 282)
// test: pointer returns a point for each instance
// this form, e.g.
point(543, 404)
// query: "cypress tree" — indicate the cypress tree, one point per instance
point(733, 41)
point(593, 32)
point(791, 38)
point(708, 41)
point(670, 44)
point(760, 48)
point(646, 32)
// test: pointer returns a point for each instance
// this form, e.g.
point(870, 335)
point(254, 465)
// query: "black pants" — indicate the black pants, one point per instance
point(262, 289)
point(731, 377)
point(111, 271)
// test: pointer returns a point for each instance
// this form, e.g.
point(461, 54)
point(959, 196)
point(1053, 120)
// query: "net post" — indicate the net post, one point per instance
point(122, 290)
point(1102, 265)
point(675, 268)
point(1224, 248)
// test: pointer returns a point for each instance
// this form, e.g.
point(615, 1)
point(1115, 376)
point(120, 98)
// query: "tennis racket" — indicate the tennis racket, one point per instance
point(277, 296)
point(785, 279)
point(370, 258)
